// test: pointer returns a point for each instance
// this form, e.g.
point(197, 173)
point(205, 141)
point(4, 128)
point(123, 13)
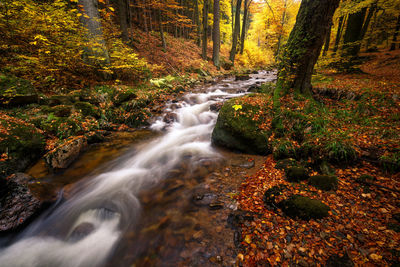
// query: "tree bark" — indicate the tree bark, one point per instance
point(96, 53)
point(164, 44)
point(327, 41)
point(245, 14)
point(339, 33)
point(205, 28)
point(396, 32)
point(123, 19)
point(351, 38)
point(235, 35)
point(197, 19)
point(216, 34)
point(304, 46)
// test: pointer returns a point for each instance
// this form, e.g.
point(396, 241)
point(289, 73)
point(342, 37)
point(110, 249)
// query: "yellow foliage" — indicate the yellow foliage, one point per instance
point(255, 56)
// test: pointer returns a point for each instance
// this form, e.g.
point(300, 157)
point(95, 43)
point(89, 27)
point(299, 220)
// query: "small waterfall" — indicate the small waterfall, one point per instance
point(83, 230)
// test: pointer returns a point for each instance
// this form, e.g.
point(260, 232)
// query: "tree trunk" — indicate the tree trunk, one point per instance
point(338, 34)
point(304, 46)
point(396, 32)
point(96, 53)
point(327, 41)
point(197, 19)
point(164, 44)
point(245, 11)
point(236, 30)
point(351, 38)
point(123, 19)
point(205, 28)
point(216, 34)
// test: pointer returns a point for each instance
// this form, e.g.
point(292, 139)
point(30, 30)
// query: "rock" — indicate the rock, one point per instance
point(254, 89)
point(285, 164)
point(81, 231)
point(243, 164)
point(324, 182)
point(124, 96)
point(296, 174)
point(216, 106)
point(337, 260)
point(170, 117)
point(16, 91)
point(304, 208)
point(61, 110)
point(56, 100)
point(62, 156)
point(204, 199)
point(216, 206)
point(18, 204)
point(365, 179)
point(242, 77)
point(87, 109)
point(95, 137)
point(271, 194)
point(238, 131)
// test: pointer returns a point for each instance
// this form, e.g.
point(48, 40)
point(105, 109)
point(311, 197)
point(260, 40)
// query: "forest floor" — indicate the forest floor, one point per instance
point(362, 228)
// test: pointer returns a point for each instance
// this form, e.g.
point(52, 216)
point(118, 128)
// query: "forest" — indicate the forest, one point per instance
point(199, 132)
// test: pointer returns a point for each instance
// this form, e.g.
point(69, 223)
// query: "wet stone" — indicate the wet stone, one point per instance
point(216, 206)
point(81, 231)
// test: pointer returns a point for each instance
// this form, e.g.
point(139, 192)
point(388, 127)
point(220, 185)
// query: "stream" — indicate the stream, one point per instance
point(163, 202)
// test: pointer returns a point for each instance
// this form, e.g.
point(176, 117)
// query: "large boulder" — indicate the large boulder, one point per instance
point(62, 156)
point(20, 143)
point(16, 92)
point(18, 204)
point(237, 129)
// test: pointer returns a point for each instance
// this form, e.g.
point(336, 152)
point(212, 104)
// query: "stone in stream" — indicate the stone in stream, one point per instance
point(238, 130)
point(243, 164)
point(81, 231)
point(18, 204)
point(242, 77)
point(62, 156)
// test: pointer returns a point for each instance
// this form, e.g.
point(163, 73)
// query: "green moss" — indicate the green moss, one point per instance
point(56, 100)
point(285, 164)
point(11, 86)
point(60, 127)
point(304, 208)
point(87, 109)
point(365, 179)
point(391, 162)
point(123, 96)
point(296, 174)
point(324, 182)
point(61, 110)
point(23, 144)
point(237, 129)
point(283, 150)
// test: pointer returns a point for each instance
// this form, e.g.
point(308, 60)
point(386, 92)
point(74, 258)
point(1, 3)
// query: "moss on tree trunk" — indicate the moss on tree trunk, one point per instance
point(304, 45)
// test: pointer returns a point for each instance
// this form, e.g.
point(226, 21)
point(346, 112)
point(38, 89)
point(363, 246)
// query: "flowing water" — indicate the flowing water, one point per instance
point(139, 210)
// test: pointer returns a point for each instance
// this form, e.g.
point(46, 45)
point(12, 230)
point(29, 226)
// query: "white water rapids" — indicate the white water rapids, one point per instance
point(83, 230)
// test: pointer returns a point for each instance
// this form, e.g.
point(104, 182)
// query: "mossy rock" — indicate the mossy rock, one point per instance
point(340, 153)
point(285, 164)
point(242, 77)
point(237, 130)
point(283, 150)
point(22, 142)
point(124, 96)
point(271, 194)
point(297, 174)
point(61, 110)
point(87, 109)
point(324, 182)
point(60, 127)
point(326, 169)
point(16, 91)
point(304, 208)
point(394, 226)
point(391, 163)
point(56, 100)
point(365, 179)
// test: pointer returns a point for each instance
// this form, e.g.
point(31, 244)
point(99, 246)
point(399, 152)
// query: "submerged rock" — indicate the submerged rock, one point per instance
point(62, 156)
point(18, 204)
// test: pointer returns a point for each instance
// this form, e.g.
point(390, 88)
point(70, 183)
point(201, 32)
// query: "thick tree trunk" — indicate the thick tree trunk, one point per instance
point(216, 34)
point(205, 29)
point(396, 32)
point(96, 53)
point(235, 35)
point(352, 35)
point(327, 41)
point(304, 45)
point(243, 36)
point(338, 34)
point(123, 19)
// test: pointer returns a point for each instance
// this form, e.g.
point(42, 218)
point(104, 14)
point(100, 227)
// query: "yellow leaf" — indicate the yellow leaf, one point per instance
point(247, 239)
point(111, 8)
point(236, 107)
